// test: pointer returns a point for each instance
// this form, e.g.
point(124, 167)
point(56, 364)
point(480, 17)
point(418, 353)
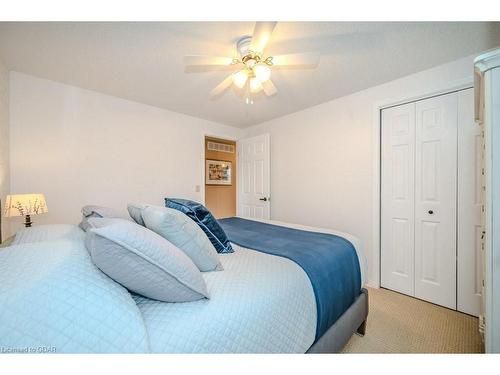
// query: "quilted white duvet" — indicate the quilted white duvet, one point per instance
point(53, 299)
point(260, 303)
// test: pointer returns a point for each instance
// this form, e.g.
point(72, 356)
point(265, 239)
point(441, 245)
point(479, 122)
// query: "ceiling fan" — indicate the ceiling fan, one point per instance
point(252, 68)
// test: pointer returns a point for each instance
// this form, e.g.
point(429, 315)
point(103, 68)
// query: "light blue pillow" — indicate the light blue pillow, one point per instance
point(143, 261)
point(135, 212)
point(205, 220)
point(99, 211)
point(184, 233)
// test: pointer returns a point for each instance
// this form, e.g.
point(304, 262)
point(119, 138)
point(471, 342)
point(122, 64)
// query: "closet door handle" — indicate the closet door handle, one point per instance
point(430, 212)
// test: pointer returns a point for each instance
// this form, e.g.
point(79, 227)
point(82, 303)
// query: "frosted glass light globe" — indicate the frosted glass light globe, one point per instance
point(262, 72)
point(255, 85)
point(240, 78)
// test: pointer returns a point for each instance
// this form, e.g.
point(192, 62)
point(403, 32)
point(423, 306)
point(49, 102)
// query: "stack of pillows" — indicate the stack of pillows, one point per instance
point(159, 254)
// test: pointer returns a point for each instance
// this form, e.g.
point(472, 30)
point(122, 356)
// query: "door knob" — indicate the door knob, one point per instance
point(263, 199)
point(430, 212)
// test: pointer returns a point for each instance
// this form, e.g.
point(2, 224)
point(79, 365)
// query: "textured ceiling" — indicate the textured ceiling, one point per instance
point(144, 61)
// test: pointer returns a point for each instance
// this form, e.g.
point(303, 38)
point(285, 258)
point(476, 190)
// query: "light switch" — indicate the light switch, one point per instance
point(197, 188)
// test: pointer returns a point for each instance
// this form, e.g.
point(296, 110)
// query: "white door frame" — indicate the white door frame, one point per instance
point(377, 108)
point(213, 135)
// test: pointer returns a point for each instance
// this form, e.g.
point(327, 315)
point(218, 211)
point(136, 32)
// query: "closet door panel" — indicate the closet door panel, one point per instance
point(469, 253)
point(397, 189)
point(435, 199)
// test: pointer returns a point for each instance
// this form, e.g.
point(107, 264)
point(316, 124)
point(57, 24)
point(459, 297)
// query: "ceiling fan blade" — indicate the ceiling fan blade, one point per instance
point(261, 34)
point(200, 60)
point(310, 59)
point(221, 87)
point(269, 88)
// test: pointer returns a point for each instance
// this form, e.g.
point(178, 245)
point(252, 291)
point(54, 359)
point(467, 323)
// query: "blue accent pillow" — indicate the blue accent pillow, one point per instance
point(207, 222)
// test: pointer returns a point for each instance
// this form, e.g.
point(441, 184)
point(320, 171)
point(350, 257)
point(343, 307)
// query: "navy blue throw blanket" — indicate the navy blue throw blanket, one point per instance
point(330, 261)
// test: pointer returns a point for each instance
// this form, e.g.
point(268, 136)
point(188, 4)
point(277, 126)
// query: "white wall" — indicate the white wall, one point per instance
point(81, 147)
point(323, 162)
point(69, 143)
point(4, 142)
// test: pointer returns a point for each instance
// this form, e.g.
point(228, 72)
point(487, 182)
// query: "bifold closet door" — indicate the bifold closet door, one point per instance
point(397, 199)
point(436, 199)
point(430, 188)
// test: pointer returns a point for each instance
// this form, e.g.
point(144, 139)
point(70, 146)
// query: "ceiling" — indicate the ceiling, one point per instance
point(144, 61)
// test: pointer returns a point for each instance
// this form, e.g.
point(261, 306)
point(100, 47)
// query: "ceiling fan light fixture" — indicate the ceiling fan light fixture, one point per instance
point(240, 78)
point(255, 85)
point(250, 67)
point(262, 72)
point(251, 63)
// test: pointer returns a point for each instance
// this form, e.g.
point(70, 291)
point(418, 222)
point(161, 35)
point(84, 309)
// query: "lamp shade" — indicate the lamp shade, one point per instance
point(25, 204)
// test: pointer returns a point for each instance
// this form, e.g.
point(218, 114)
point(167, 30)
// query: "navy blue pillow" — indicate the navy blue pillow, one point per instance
point(205, 220)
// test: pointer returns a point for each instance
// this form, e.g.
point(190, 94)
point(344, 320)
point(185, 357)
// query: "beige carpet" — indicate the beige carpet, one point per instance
point(401, 324)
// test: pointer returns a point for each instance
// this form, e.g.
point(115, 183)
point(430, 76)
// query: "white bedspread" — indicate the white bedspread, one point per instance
point(260, 303)
point(54, 300)
point(48, 232)
point(356, 242)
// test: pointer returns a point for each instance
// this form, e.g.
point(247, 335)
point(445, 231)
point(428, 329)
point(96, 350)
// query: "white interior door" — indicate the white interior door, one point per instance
point(469, 253)
point(254, 182)
point(435, 200)
point(397, 198)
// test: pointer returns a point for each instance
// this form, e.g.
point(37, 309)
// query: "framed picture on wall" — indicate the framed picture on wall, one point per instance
point(218, 172)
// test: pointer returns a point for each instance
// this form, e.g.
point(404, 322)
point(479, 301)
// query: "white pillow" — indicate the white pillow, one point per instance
point(183, 232)
point(99, 211)
point(143, 262)
point(135, 212)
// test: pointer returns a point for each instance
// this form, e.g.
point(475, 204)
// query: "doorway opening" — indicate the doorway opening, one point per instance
point(220, 177)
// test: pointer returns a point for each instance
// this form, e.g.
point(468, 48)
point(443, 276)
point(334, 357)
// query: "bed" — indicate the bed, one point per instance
point(52, 296)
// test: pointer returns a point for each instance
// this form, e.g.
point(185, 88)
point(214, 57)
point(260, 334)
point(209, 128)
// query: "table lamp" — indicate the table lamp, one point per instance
point(25, 205)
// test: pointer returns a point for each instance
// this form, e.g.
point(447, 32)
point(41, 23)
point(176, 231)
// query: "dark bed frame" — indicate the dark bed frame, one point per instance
point(350, 322)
